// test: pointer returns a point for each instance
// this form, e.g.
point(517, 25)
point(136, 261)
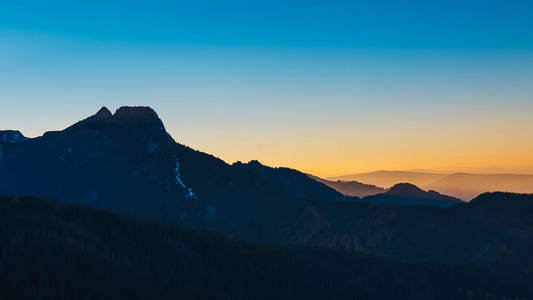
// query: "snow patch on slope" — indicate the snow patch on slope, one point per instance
point(190, 193)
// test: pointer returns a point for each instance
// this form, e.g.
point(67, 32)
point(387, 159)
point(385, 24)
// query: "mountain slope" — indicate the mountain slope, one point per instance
point(45, 245)
point(351, 188)
point(116, 162)
point(495, 230)
point(127, 162)
point(11, 136)
point(293, 182)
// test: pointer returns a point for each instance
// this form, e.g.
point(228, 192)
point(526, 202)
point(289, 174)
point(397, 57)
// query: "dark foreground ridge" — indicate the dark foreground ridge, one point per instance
point(67, 251)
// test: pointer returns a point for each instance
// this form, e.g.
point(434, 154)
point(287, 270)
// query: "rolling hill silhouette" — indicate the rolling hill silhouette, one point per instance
point(351, 188)
point(408, 194)
point(401, 194)
point(465, 186)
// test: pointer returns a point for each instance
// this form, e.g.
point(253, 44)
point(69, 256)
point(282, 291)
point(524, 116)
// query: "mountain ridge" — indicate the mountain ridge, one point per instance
point(463, 185)
point(410, 194)
point(137, 169)
point(12, 136)
point(351, 188)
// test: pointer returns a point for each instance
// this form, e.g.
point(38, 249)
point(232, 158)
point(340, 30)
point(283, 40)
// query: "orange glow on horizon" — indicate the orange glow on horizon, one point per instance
point(466, 145)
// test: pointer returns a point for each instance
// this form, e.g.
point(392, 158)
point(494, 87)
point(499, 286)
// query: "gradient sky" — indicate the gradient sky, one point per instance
point(327, 87)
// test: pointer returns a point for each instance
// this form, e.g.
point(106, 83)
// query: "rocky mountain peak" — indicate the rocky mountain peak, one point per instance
point(103, 113)
point(137, 115)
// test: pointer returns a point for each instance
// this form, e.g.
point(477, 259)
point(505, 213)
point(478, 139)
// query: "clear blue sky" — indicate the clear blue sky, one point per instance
point(271, 80)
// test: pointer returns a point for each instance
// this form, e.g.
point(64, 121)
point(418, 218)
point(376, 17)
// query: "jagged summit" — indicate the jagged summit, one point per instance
point(128, 116)
point(103, 113)
point(137, 115)
point(126, 123)
point(252, 163)
point(255, 163)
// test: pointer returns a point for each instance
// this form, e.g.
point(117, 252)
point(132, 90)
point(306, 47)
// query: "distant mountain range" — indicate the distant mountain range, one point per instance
point(401, 194)
point(351, 188)
point(465, 186)
point(126, 162)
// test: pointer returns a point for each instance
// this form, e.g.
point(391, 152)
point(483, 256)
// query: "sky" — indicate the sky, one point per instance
point(326, 87)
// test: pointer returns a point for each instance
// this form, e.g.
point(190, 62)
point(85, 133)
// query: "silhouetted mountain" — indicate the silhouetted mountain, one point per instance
point(53, 251)
point(495, 230)
point(11, 136)
point(409, 194)
point(104, 113)
point(406, 189)
point(461, 185)
point(468, 186)
point(126, 162)
point(351, 188)
point(505, 203)
point(387, 179)
point(294, 183)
